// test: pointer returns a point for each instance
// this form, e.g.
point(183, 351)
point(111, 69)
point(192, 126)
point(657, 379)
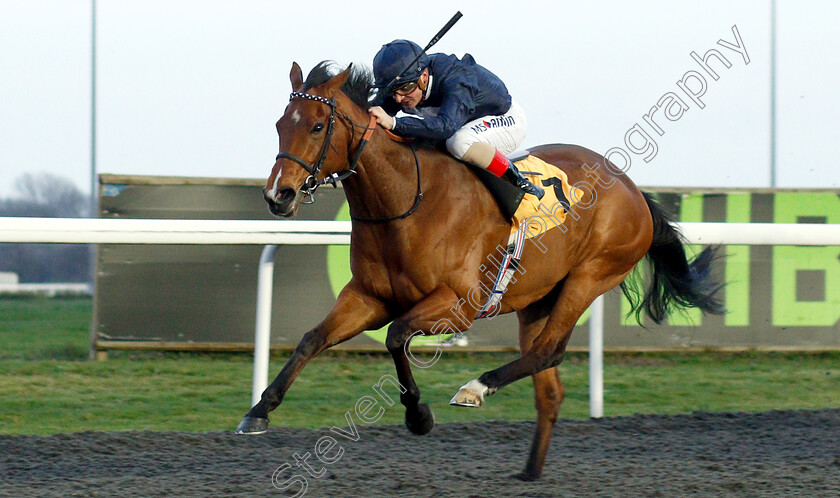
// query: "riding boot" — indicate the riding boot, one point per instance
point(503, 168)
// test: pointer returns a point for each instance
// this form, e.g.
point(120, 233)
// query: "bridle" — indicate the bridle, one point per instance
point(311, 184)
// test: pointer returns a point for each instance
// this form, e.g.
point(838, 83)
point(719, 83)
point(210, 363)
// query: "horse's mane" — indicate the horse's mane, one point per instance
point(358, 86)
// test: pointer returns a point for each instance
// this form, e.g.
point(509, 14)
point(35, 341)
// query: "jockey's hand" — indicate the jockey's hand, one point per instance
point(382, 118)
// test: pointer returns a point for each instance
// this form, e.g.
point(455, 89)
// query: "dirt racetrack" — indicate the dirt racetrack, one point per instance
point(780, 453)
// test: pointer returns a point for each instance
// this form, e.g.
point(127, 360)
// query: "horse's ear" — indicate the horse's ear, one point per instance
point(297, 77)
point(339, 79)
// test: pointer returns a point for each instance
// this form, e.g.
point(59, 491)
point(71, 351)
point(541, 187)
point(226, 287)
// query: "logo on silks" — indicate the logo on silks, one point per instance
point(496, 122)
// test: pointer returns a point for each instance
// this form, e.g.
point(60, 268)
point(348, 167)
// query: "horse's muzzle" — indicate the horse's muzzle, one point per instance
point(284, 203)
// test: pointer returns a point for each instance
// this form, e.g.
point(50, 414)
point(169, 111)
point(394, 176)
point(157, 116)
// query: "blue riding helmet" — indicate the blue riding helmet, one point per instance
point(391, 64)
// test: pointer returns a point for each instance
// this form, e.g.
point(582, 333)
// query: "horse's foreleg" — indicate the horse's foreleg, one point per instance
point(352, 313)
point(432, 315)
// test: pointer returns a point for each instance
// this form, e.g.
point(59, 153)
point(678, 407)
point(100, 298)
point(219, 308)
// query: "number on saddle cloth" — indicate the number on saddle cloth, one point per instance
point(558, 191)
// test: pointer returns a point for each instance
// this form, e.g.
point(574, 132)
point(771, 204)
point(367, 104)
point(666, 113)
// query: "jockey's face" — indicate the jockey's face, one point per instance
point(410, 99)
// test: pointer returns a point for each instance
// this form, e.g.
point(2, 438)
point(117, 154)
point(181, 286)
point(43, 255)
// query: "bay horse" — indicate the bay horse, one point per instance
point(413, 263)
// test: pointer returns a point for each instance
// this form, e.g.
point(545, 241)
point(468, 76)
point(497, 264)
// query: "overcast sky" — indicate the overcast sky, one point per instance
point(193, 88)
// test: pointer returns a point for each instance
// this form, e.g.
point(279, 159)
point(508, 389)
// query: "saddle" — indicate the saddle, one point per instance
point(507, 196)
point(559, 195)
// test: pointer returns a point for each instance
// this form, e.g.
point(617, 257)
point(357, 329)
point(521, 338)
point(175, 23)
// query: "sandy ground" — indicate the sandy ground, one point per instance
point(780, 453)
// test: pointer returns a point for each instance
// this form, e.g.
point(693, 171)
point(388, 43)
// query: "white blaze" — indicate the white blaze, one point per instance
point(273, 192)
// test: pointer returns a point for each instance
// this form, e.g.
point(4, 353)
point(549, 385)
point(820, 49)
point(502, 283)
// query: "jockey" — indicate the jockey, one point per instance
point(451, 99)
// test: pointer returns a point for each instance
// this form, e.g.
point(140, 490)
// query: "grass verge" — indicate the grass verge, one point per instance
point(47, 387)
point(189, 392)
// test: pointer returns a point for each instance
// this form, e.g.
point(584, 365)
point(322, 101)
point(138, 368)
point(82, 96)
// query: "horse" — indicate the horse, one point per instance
point(414, 263)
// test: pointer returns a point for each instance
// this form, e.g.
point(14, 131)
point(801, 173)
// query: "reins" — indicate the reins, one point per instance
point(311, 184)
point(418, 197)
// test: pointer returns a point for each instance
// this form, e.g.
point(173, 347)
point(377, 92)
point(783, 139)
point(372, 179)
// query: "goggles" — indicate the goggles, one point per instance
point(405, 89)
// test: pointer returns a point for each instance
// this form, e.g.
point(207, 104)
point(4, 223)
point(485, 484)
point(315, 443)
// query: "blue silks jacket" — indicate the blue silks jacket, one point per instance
point(461, 91)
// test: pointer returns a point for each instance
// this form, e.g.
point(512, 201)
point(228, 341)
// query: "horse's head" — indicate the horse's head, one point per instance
point(314, 140)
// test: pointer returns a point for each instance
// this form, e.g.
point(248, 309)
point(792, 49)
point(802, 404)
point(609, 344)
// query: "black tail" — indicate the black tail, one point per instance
point(675, 283)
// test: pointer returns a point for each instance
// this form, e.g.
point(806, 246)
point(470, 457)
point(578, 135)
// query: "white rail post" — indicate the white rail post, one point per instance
point(262, 335)
point(596, 358)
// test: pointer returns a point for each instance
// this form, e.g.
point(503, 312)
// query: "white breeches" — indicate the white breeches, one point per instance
point(505, 132)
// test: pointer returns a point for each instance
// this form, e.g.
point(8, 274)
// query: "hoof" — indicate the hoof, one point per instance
point(470, 395)
point(420, 421)
point(526, 476)
point(253, 425)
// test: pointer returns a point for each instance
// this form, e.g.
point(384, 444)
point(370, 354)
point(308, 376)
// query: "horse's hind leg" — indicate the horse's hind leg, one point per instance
point(548, 387)
point(580, 288)
point(546, 351)
point(429, 316)
point(548, 394)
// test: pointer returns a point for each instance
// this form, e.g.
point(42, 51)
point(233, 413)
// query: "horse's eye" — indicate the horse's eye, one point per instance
point(317, 128)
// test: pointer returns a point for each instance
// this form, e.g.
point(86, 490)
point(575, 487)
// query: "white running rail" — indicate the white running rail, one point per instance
point(295, 232)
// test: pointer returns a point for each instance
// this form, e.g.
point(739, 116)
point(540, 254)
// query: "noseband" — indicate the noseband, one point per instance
point(311, 184)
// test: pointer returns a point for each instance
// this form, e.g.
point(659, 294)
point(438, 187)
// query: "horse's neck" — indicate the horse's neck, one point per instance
point(386, 181)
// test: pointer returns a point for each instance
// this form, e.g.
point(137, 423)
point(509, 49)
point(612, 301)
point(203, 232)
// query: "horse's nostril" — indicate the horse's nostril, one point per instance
point(281, 203)
point(286, 195)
